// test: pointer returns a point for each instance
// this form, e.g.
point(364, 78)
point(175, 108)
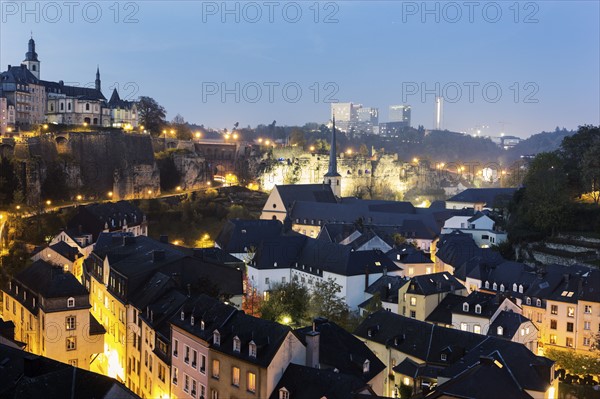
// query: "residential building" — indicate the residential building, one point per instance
point(105, 217)
point(419, 354)
point(7, 114)
point(241, 238)
point(282, 198)
point(384, 289)
point(62, 255)
point(480, 226)
point(51, 312)
point(25, 93)
point(424, 293)
point(481, 198)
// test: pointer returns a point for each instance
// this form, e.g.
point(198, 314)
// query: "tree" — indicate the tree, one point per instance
point(575, 363)
point(151, 114)
point(590, 165)
point(572, 149)
point(297, 138)
point(252, 300)
point(327, 302)
point(286, 303)
point(363, 150)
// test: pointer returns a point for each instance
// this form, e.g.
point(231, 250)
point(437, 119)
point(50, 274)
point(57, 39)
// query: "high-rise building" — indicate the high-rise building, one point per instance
point(439, 109)
point(399, 113)
point(368, 118)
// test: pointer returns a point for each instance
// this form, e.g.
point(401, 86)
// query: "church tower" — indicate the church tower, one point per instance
point(97, 83)
point(332, 177)
point(31, 60)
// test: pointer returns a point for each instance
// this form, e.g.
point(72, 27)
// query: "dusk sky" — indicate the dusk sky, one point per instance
point(543, 56)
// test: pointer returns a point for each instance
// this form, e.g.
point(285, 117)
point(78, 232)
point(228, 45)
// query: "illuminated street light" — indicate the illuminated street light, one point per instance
point(48, 202)
point(416, 160)
point(178, 188)
point(235, 136)
point(260, 140)
point(267, 142)
point(349, 151)
point(45, 126)
point(110, 194)
point(85, 124)
point(198, 135)
point(79, 198)
point(312, 148)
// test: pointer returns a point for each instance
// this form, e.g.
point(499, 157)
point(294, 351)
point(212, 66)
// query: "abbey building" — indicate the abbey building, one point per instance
point(27, 100)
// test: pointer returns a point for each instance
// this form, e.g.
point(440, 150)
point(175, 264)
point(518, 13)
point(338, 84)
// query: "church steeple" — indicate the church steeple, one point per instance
point(332, 177)
point(98, 84)
point(31, 59)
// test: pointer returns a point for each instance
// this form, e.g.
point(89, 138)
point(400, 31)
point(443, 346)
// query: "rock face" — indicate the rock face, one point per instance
point(382, 176)
point(93, 163)
point(192, 168)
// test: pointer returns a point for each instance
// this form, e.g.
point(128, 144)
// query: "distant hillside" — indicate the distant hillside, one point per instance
point(541, 142)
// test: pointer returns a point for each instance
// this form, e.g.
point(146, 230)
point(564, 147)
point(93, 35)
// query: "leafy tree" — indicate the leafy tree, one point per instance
point(297, 138)
point(326, 301)
point(252, 300)
point(284, 301)
point(363, 150)
point(590, 165)
point(151, 114)
point(238, 212)
point(574, 362)
point(572, 149)
point(374, 305)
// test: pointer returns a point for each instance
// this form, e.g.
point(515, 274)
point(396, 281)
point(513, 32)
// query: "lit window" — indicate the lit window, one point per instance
point(216, 368)
point(554, 309)
point(464, 327)
point(235, 376)
point(477, 329)
point(587, 309)
point(413, 301)
point(251, 382)
point(71, 343)
point(70, 322)
point(570, 311)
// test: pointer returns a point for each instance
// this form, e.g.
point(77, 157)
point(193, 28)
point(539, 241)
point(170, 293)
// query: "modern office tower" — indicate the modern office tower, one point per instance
point(439, 109)
point(399, 113)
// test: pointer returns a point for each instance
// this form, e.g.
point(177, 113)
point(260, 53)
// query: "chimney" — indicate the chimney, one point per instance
point(366, 277)
point(158, 255)
point(164, 238)
point(312, 348)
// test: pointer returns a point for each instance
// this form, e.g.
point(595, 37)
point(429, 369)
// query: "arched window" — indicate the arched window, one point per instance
point(465, 307)
point(62, 106)
point(478, 309)
point(87, 106)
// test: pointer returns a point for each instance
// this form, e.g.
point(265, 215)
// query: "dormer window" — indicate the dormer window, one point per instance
point(182, 315)
point(192, 320)
point(465, 307)
point(500, 330)
point(478, 309)
point(514, 287)
point(284, 394)
point(538, 302)
point(216, 338)
point(366, 366)
point(528, 301)
point(71, 302)
point(487, 284)
point(520, 288)
point(443, 357)
point(502, 287)
point(495, 287)
point(202, 325)
point(237, 345)
point(252, 349)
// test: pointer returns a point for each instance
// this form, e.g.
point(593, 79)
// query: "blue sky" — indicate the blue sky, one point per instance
point(531, 65)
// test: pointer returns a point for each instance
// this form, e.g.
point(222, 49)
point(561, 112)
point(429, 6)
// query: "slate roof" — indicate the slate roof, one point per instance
point(50, 281)
point(310, 383)
point(267, 335)
point(116, 102)
point(491, 197)
point(66, 251)
point(27, 376)
point(290, 193)
point(238, 236)
point(93, 218)
point(407, 254)
point(341, 260)
point(456, 248)
point(429, 284)
point(483, 380)
point(510, 323)
point(83, 93)
point(341, 350)
point(463, 349)
point(18, 75)
point(442, 314)
point(205, 309)
point(489, 304)
point(387, 286)
point(279, 252)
